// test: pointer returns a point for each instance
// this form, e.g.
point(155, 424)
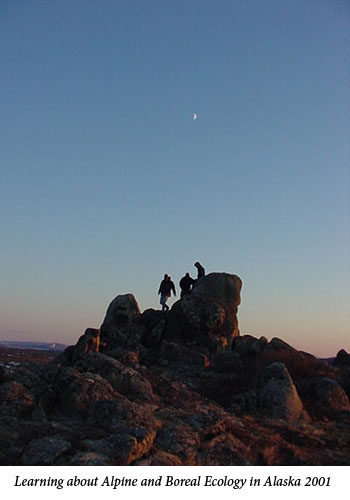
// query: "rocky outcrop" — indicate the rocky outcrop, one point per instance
point(208, 316)
point(342, 359)
point(177, 388)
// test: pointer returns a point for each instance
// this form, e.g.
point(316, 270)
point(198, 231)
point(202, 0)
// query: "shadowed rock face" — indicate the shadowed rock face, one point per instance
point(181, 388)
point(208, 316)
point(330, 397)
point(342, 359)
point(119, 317)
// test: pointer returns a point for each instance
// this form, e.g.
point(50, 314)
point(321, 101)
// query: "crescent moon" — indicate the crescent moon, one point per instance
point(194, 116)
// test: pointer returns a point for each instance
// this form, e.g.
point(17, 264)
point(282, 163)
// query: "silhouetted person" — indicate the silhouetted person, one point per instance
point(200, 270)
point(186, 284)
point(165, 289)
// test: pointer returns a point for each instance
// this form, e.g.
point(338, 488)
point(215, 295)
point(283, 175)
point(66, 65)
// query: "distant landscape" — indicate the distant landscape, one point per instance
point(13, 354)
point(52, 346)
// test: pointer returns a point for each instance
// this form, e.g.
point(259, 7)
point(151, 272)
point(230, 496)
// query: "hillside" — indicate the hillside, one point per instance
point(177, 388)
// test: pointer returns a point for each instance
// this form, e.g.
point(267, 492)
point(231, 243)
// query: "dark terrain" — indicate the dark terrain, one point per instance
point(176, 388)
point(10, 356)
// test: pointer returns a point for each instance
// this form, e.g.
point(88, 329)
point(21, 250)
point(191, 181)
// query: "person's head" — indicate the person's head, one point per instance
point(187, 275)
point(166, 277)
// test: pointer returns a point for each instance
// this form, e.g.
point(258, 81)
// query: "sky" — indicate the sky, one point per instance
point(107, 182)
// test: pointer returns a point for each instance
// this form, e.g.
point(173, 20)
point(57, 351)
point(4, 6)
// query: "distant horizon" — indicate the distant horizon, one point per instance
point(24, 339)
point(57, 342)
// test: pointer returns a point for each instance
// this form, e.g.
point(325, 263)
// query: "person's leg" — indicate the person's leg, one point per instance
point(165, 304)
point(163, 299)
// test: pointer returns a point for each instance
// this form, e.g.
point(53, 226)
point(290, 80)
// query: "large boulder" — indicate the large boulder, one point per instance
point(120, 315)
point(277, 397)
point(122, 378)
point(208, 316)
point(329, 398)
point(78, 392)
point(123, 414)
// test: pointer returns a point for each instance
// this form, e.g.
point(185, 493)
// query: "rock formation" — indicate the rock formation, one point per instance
point(208, 316)
point(177, 388)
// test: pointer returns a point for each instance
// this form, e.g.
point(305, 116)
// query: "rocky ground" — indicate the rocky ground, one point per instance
point(180, 388)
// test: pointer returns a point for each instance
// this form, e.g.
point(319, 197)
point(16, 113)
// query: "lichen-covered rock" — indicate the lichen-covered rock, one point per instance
point(31, 379)
point(123, 448)
point(206, 421)
point(244, 402)
point(16, 398)
point(224, 449)
point(44, 451)
point(122, 415)
point(180, 440)
point(79, 392)
point(159, 458)
point(89, 458)
point(181, 356)
point(11, 446)
point(277, 397)
point(122, 378)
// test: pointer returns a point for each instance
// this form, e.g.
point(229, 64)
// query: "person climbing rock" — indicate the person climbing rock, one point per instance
point(165, 289)
point(200, 270)
point(186, 284)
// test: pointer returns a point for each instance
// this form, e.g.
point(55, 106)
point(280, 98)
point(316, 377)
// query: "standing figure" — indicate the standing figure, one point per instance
point(200, 270)
point(186, 284)
point(165, 289)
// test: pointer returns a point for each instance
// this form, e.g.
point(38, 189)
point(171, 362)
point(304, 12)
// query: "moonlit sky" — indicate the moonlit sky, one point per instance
point(107, 182)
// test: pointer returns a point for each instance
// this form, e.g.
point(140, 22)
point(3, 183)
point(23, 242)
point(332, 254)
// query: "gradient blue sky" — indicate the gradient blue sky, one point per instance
point(107, 182)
